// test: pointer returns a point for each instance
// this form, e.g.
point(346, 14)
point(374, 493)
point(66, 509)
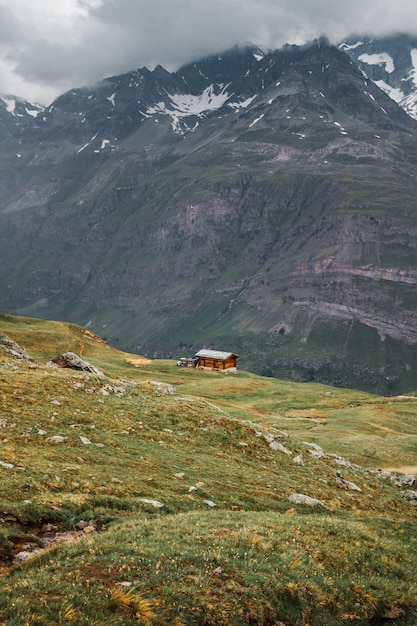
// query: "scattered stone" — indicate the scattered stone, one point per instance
point(410, 496)
point(163, 389)
point(217, 571)
point(179, 475)
point(298, 459)
point(24, 555)
point(210, 503)
point(81, 524)
point(341, 461)
point(55, 538)
point(6, 465)
point(56, 402)
point(125, 583)
point(109, 390)
point(73, 361)
point(314, 450)
point(49, 528)
point(41, 432)
point(200, 484)
point(85, 441)
point(56, 439)
point(348, 484)
point(399, 480)
point(275, 445)
point(192, 488)
point(299, 498)
point(154, 503)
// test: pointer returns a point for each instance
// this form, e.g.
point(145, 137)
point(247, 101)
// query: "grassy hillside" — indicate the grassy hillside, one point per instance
point(186, 493)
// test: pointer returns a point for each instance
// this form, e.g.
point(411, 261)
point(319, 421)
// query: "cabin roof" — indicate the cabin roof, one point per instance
point(216, 354)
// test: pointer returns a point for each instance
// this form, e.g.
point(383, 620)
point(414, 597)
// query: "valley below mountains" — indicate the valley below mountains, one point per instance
point(258, 202)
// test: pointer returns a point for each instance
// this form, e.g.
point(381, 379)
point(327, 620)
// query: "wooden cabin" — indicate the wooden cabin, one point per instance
point(216, 360)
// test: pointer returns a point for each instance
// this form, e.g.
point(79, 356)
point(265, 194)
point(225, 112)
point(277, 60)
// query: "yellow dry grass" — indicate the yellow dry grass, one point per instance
point(137, 362)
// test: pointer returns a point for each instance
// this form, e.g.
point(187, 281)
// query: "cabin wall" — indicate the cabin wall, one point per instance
point(216, 363)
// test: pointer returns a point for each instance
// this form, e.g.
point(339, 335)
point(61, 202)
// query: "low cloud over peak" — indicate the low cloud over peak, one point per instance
point(47, 47)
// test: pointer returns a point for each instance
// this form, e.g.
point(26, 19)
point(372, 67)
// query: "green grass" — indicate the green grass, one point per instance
point(253, 558)
point(232, 568)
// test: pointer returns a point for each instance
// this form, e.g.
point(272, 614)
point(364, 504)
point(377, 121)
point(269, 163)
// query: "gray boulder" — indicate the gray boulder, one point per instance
point(410, 495)
point(13, 349)
point(73, 361)
point(300, 498)
point(314, 450)
point(275, 445)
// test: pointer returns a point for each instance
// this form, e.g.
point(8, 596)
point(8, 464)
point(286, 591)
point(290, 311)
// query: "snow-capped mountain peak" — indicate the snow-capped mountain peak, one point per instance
point(16, 114)
point(186, 105)
point(391, 62)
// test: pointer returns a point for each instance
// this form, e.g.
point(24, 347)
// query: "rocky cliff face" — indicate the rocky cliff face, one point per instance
point(262, 203)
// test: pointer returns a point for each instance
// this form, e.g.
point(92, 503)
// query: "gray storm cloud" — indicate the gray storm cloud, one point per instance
point(47, 47)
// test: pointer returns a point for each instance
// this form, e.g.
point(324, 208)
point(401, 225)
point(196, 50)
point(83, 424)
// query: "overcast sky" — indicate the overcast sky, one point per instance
point(49, 46)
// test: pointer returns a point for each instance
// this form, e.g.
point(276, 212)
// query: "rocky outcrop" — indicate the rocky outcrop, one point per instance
point(410, 495)
point(13, 349)
point(73, 361)
point(163, 389)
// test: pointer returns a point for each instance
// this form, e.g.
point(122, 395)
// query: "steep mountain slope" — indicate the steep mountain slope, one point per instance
point(263, 203)
point(391, 62)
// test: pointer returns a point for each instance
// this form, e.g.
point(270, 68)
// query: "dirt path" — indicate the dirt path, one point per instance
point(386, 428)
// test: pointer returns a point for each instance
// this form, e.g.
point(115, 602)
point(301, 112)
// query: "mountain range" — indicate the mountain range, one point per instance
point(257, 202)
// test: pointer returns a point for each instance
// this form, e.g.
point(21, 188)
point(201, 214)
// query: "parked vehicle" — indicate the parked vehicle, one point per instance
point(184, 362)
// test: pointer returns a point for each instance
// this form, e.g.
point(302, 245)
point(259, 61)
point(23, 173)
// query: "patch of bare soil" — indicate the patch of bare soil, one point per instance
point(90, 335)
point(403, 469)
point(139, 361)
